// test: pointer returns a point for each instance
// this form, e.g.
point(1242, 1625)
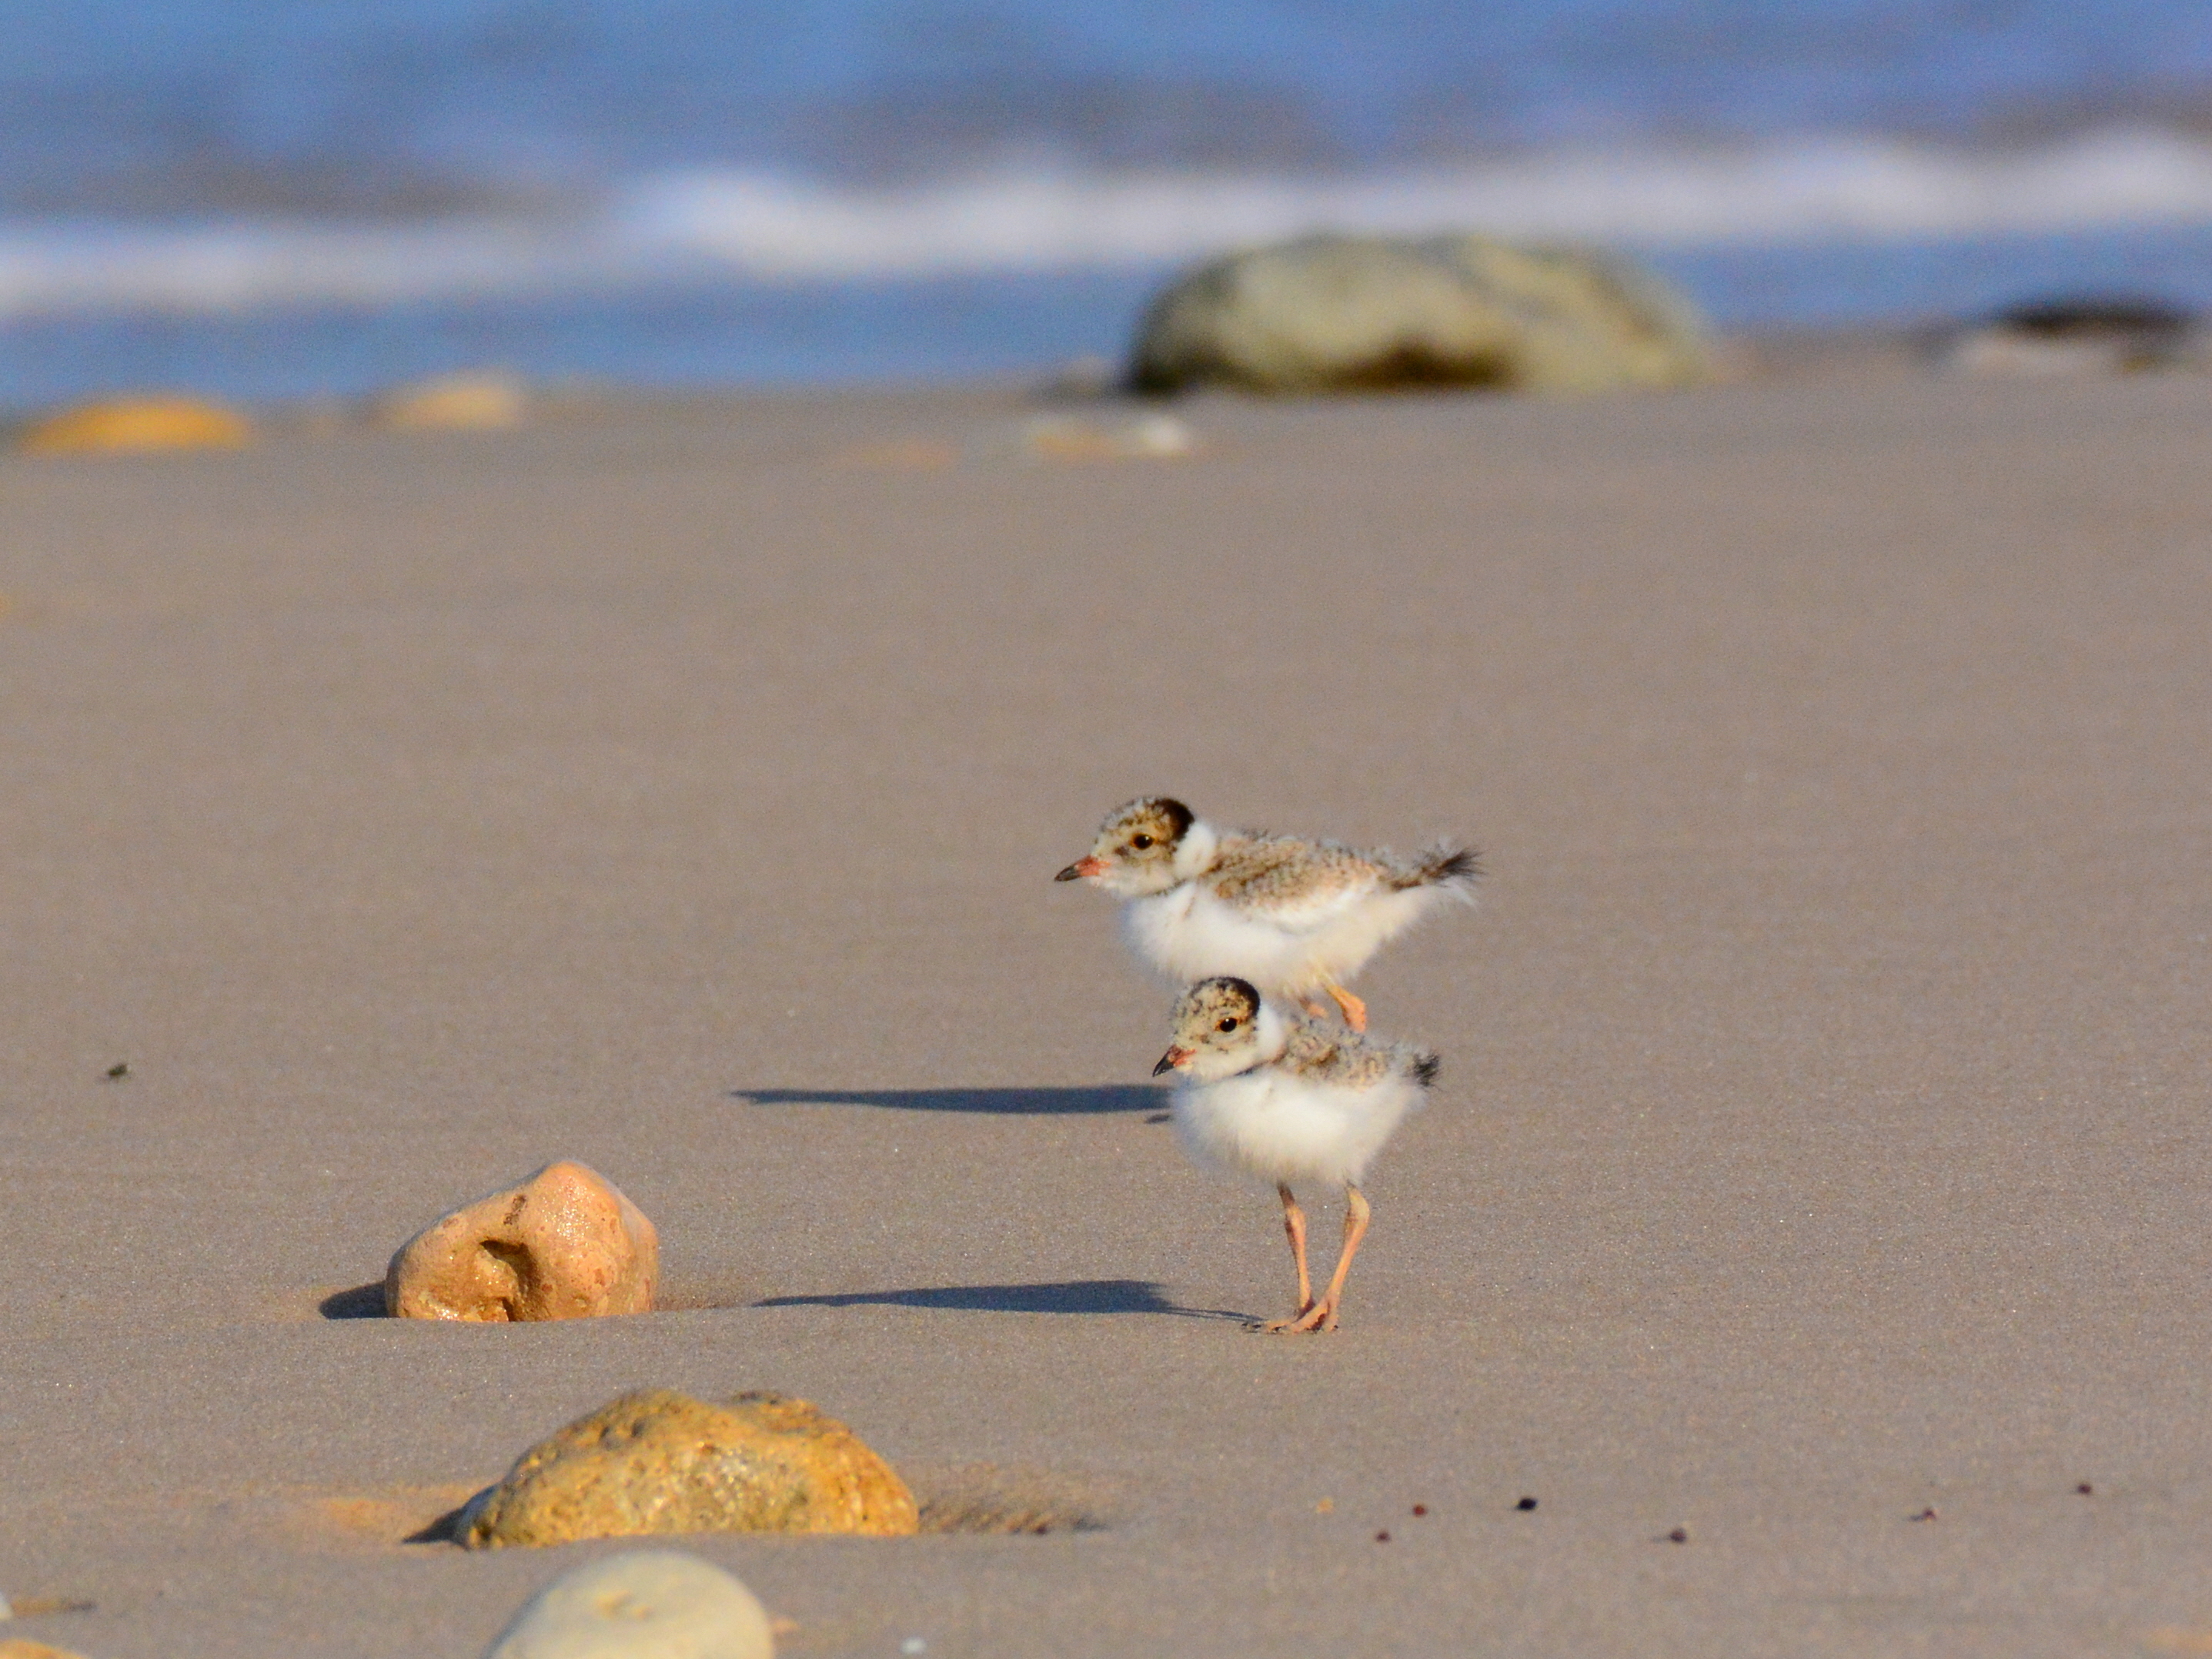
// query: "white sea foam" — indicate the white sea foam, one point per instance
point(65, 269)
point(705, 224)
point(1866, 189)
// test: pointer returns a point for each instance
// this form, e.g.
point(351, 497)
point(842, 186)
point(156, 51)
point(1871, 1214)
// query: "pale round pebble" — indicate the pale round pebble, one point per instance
point(641, 1604)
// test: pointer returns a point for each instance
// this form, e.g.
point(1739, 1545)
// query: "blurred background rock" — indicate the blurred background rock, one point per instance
point(293, 202)
point(1341, 314)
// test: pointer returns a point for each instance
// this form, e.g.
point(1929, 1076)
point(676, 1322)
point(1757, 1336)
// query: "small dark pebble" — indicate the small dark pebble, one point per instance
point(1679, 1536)
point(1928, 1513)
point(2086, 1489)
point(121, 1069)
point(1421, 1509)
point(1526, 1504)
point(1381, 1537)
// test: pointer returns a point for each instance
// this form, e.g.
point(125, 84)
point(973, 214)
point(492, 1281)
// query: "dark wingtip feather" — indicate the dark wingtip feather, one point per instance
point(1445, 866)
point(1459, 863)
point(1425, 1070)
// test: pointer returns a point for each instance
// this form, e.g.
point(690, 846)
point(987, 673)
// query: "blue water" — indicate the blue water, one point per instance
point(311, 98)
point(298, 197)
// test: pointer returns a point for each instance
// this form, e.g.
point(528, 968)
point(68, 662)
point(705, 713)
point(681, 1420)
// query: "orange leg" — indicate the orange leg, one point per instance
point(1355, 1011)
point(1321, 1317)
point(1294, 1226)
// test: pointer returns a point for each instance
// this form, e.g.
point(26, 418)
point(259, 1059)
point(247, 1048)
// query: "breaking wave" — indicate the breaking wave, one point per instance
point(721, 225)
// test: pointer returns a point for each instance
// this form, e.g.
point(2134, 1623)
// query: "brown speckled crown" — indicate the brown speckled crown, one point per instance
point(1179, 816)
point(1211, 997)
point(1160, 813)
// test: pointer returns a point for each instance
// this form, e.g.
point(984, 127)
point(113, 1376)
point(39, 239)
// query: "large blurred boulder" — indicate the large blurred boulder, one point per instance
point(1337, 313)
point(664, 1462)
point(564, 1244)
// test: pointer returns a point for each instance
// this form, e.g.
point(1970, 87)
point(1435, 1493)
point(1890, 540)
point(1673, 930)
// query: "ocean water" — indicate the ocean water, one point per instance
point(282, 199)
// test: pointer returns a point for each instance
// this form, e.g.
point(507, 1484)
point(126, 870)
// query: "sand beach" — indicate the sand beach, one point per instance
point(1821, 1140)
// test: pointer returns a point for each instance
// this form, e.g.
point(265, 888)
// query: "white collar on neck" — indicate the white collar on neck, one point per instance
point(1274, 1031)
point(1195, 852)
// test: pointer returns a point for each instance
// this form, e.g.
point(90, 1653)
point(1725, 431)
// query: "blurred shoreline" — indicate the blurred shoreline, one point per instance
point(701, 336)
point(293, 201)
point(700, 227)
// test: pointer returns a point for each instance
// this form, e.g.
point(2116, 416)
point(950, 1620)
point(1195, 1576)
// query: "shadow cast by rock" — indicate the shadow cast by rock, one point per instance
point(704, 1293)
point(446, 1528)
point(361, 1301)
point(992, 1498)
point(1012, 1102)
point(1077, 1296)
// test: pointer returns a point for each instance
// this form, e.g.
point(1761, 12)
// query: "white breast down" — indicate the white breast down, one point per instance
point(1187, 934)
point(1285, 1129)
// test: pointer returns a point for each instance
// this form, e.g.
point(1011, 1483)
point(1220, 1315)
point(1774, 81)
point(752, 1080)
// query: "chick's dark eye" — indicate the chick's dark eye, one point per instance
point(1141, 843)
point(1229, 1024)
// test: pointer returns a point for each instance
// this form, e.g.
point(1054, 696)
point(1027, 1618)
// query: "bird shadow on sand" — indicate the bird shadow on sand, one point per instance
point(1075, 1296)
point(1012, 1102)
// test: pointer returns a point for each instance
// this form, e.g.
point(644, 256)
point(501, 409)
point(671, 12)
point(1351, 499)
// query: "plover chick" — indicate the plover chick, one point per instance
point(1295, 917)
point(1287, 1100)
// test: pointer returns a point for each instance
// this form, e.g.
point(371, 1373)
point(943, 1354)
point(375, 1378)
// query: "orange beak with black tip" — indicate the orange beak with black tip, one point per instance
point(1174, 1060)
point(1093, 866)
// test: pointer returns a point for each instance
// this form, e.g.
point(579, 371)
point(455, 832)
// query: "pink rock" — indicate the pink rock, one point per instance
point(564, 1244)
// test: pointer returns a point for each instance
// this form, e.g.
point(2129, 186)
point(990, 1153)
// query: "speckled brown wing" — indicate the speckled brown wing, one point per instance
point(1281, 879)
point(1322, 1054)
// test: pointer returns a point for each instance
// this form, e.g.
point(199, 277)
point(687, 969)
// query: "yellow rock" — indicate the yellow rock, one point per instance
point(130, 425)
point(19, 1647)
point(565, 1244)
point(457, 403)
point(663, 1462)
